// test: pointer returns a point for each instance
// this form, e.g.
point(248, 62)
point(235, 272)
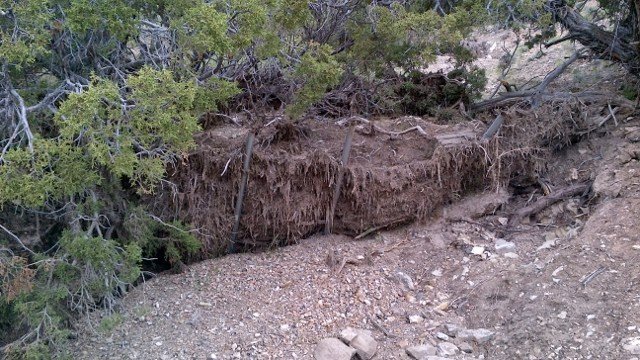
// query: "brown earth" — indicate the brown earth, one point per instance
point(564, 289)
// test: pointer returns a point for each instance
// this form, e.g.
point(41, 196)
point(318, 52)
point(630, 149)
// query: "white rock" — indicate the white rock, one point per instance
point(414, 319)
point(365, 345)
point(437, 272)
point(480, 336)
point(502, 245)
point(333, 349)
point(510, 255)
point(348, 334)
point(421, 352)
point(447, 349)
point(442, 336)
point(632, 345)
point(562, 315)
point(547, 245)
point(477, 250)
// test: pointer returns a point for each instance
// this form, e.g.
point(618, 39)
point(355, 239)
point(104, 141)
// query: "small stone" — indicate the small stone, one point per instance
point(159, 343)
point(477, 250)
point(502, 245)
point(632, 345)
point(547, 244)
point(333, 349)
point(349, 334)
point(421, 352)
point(406, 280)
point(452, 329)
point(212, 356)
point(442, 336)
point(510, 255)
point(365, 345)
point(447, 349)
point(562, 315)
point(503, 221)
point(437, 272)
point(414, 319)
point(284, 327)
point(465, 347)
point(480, 336)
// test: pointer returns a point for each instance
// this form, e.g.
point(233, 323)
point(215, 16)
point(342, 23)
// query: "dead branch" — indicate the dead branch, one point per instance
point(17, 239)
point(551, 43)
point(377, 128)
point(549, 200)
point(346, 150)
point(493, 129)
point(241, 191)
point(512, 98)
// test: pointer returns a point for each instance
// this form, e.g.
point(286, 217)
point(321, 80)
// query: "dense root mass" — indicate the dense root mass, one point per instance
point(389, 179)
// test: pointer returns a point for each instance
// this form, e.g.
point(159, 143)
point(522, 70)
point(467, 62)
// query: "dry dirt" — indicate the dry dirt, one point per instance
point(566, 288)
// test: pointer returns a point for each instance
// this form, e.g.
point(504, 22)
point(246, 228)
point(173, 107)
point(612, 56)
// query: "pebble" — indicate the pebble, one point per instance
point(442, 336)
point(562, 315)
point(406, 280)
point(414, 319)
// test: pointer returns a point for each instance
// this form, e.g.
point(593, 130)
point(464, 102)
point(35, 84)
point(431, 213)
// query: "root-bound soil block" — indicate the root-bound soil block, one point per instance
point(389, 180)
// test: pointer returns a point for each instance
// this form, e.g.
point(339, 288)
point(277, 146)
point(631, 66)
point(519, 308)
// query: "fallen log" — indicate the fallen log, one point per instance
point(546, 201)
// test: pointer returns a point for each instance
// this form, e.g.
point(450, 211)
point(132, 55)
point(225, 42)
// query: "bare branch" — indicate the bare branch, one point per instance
point(17, 239)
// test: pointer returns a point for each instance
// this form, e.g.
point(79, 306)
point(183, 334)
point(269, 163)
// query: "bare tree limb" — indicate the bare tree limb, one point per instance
point(17, 239)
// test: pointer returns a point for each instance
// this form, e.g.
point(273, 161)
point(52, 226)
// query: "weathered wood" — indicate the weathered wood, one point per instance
point(241, 192)
point(346, 150)
point(617, 45)
point(546, 201)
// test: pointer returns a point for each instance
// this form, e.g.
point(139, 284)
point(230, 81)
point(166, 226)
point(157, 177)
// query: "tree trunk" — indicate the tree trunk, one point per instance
point(620, 45)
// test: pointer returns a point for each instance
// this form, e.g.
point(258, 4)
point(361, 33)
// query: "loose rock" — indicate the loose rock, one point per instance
point(348, 334)
point(502, 245)
point(447, 349)
point(421, 352)
point(452, 329)
point(480, 336)
point(632, 345)
point(365, 345)
point(405, 280)
point(465, 347)
point(333, 349)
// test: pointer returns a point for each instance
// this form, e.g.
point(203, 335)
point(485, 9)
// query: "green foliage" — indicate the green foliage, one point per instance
point(175, 239)
point(318, 72)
